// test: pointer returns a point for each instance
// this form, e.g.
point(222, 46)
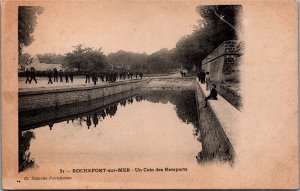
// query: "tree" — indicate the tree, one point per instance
point(123, 60)
point(211, 32)
point(24, 59)
point(86, 58)
point(162, 61)
point(52, 58)
point(27, 16)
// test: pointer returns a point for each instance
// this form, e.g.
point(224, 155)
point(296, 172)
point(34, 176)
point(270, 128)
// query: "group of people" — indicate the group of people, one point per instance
point(183, 73)
point(110, 76)
point(61, 74)
point(67, 76)
point(30, 75)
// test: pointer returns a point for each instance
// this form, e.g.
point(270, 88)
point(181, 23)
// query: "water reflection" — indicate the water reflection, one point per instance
point(25, 160)
point(130, 115)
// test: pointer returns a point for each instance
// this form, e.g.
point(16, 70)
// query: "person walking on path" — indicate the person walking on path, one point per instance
point(87, 77)
point(67, 76)
point(141, 75)
point(55, 75)
point(32, 75)
point(213, 94)
point(94, 78)
point(71, 76)
point(50, 74)
point(207, 80)
point(27, 74)
point(61, 75)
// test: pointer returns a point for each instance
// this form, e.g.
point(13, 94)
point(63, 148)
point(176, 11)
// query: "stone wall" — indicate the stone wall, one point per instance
point(39, 117)
point(30, 100)
point(223, 62)
point(233, 97)
point(223, 65)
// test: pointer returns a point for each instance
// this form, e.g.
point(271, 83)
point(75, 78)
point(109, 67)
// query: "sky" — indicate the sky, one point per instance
point(136, 26)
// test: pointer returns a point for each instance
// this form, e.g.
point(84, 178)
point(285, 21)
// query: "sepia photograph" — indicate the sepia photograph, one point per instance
point(139, 94)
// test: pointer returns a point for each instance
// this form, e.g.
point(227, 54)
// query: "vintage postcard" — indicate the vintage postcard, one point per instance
point(131, 94)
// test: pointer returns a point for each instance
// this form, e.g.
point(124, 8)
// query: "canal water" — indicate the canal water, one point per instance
point(158, 127)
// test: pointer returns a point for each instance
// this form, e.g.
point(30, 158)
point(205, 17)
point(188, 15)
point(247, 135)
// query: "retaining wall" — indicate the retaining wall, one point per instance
point(223, 62)
point(215, 142)
point(39, 117)
point(31, 100)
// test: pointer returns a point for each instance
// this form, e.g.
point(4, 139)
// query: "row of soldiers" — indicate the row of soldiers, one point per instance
point(30, 75)
point(61, 74)
point(68, 76)
point(110, 77)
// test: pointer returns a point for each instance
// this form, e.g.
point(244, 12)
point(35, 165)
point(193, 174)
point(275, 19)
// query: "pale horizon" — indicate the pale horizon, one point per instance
point(141, 27)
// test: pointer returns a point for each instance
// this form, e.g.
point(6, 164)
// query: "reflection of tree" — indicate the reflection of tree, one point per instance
point(24, 155)
point(184, 101)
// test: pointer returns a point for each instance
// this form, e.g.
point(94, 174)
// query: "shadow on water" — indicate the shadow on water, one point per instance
point(25, 160)
point(92, 113)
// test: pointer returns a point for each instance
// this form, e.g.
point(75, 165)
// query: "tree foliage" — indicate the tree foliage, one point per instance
point(123, 60)
point(210, 33)
point(52, 58)
point(24, 59)
point(27, 16)
point(86, 58)
point(161, 61)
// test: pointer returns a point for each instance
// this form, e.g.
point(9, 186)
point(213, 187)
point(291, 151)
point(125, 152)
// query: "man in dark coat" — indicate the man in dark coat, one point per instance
point(32, 75)
point(213, 94)
point(94, 78)
point(71, 76)
point(50, 74)
point(61, 75)
point(55, 74)
point(87, 77)
point(27, 74)
point(67, 76)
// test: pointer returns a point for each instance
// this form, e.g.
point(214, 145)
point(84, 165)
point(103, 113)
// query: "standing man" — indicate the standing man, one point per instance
point(213, 94)
point(50, 74)
point(55, 74)
point(94, 78)
point(32, 75)
point(61, 75)
point(67, 76)
point(141, 75)
point(207, 80)
point(27, 74)
point(202, 73)
point(71, 76)
point(87, 77)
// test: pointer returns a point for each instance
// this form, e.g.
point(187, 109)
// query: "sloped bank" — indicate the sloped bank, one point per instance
point(215, 142)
